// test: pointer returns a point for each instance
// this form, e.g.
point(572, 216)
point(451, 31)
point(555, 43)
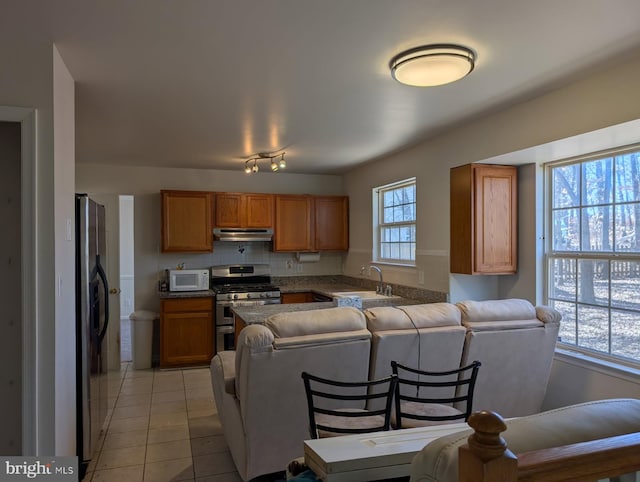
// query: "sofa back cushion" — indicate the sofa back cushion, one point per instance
point(498, 314)
point(317, 327)
point(428, 315)
point(427, 337)
point(516, 351)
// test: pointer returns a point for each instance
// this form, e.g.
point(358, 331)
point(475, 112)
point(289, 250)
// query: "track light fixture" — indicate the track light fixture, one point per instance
point(251, 164)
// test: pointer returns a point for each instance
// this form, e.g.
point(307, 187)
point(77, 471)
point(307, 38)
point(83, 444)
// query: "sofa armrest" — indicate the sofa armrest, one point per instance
point(226, 366)
point(546, 314)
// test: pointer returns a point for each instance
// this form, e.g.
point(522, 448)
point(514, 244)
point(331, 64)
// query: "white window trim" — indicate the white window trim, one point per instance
point(625, 368)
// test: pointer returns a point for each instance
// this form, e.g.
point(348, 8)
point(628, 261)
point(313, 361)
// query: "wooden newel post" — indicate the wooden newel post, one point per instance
point(485, 457)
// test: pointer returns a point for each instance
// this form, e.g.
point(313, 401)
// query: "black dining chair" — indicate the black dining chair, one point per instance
point(339, 408)
point(447, 396)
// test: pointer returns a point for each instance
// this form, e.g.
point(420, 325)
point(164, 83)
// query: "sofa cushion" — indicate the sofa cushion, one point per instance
point(428, 315)
point(433, 314)
point(519, 313)
point(314, 322)
point(384, 318)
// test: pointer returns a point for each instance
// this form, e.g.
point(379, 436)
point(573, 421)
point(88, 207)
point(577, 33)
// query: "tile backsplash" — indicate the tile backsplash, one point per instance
point(282, 264)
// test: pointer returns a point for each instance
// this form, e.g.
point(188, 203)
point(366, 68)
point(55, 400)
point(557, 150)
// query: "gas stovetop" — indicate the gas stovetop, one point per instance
point(243, 282)
point(247, 293)
point(241, 288)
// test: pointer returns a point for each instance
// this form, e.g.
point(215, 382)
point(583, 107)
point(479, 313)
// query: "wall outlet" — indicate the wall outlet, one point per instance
point(289, 264)
point(420, 277)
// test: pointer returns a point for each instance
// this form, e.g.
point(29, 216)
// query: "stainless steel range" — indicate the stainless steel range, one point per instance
point(239, 285)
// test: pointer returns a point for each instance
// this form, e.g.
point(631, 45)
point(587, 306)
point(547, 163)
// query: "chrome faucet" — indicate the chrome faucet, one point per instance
point(380, 287)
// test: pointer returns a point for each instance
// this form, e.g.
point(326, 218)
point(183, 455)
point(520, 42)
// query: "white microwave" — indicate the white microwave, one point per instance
point(188, 279)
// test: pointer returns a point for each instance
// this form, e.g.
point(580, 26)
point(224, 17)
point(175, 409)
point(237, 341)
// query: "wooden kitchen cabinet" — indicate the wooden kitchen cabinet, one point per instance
point(186, 332)
point(483, 229)
point(331, 223)
point(294, 223)
point(302, 297)
point(311, 223)
point(186, 221)
point(243, 210)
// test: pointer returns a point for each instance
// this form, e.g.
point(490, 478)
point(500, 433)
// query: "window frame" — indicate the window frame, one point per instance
point(379, 224)
point(579, 254)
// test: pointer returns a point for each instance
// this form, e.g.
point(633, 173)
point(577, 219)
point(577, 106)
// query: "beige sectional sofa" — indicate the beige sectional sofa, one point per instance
point(260, 395)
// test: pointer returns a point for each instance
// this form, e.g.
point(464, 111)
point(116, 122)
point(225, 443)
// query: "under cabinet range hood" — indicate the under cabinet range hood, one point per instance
point(243, 234)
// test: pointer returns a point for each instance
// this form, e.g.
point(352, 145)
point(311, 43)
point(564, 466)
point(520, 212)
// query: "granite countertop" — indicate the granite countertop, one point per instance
point(259, 313)
point(166, 295)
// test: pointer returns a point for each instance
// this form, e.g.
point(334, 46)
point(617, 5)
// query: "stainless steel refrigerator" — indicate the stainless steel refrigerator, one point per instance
point(92, 320)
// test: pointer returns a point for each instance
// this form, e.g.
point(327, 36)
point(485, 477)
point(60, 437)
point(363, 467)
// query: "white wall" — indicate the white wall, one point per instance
point(575, 380)
point(145, 185)
point(606, 98)
point(64, 217)
point(27, 81)
point(10, 292)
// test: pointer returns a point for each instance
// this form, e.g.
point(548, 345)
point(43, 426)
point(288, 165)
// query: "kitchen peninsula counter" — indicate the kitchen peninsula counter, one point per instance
point(259, 313)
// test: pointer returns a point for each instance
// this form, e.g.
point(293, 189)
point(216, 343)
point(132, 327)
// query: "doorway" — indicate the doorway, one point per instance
point(127, 285)
point(11, 295)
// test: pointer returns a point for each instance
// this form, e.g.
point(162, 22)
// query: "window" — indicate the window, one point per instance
point(396, 226)
point(594, 252)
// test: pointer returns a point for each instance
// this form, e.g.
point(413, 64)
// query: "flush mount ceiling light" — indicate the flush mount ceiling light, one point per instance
point(251, 164)
point(431, 65)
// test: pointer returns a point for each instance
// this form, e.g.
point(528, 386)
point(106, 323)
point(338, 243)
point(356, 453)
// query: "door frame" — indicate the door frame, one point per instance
point(27, 119)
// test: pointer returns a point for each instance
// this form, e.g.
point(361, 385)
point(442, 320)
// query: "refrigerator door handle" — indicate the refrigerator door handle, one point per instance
point(105, 285)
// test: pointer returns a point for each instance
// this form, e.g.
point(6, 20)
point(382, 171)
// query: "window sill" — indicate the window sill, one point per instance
point(606, 367)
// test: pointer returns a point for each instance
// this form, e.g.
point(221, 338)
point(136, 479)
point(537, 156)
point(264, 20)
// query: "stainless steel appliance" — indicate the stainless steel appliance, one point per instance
point(243, 234)
point(188, 279)
point(239, 285)
point(92, 320)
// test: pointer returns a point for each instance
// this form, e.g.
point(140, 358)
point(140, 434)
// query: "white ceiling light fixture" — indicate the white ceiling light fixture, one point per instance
point(251, 164)
point(431, 65)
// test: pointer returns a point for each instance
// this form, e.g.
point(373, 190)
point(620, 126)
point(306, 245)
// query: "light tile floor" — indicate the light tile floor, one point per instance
point(163, 426)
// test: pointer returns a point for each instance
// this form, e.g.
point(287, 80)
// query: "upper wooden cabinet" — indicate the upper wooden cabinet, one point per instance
point(241, 210)
point(293, 228)
point(483, 226)
point(311, 223)
point(186, 221)
point(331, 223)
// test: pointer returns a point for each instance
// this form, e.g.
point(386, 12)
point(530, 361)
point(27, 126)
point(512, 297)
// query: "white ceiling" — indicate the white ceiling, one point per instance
point(207, 83)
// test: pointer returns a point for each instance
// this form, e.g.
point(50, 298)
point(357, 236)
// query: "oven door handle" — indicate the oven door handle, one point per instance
point(225, 329)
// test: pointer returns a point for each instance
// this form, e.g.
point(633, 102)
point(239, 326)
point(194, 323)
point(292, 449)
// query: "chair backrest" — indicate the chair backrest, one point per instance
point(457, 387)
point(343, 403)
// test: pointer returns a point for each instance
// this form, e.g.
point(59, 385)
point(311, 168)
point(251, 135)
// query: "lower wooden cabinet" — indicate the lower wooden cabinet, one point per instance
point(186, 332)
point(304, 297)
